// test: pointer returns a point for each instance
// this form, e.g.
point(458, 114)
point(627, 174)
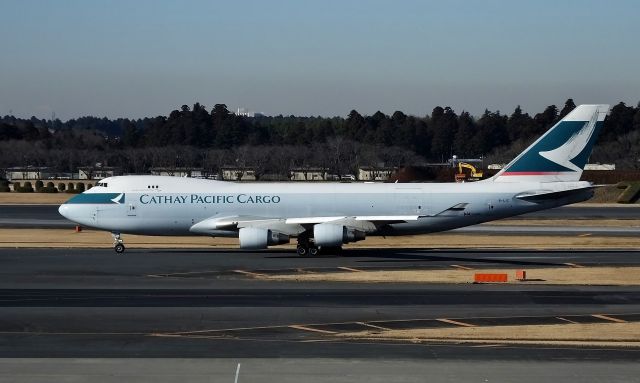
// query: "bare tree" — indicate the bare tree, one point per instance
point(215, 159)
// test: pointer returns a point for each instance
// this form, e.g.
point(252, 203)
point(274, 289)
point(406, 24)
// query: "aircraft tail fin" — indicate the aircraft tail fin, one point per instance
point(562, 152)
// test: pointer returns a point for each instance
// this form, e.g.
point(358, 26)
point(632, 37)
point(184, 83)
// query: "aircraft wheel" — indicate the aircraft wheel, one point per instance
point(301, 250)
point(313, 251)
point(119, 248)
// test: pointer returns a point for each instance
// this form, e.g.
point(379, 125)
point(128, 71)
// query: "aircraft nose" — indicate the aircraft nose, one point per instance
point(63, 210)
point(69, 212)
point(77, 213)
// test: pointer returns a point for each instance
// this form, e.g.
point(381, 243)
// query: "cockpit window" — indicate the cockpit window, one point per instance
point(102, 184)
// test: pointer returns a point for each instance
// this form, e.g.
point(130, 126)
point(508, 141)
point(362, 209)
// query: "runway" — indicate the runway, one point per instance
point(203, 268)
point(32, 216)
point(85, 300)
point(193, 304)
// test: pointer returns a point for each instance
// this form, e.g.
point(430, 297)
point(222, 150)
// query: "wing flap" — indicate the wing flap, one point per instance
point(372, 218)
point(213, 225)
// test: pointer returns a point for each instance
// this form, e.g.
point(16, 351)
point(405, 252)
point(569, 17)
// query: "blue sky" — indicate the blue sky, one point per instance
point(146, 58)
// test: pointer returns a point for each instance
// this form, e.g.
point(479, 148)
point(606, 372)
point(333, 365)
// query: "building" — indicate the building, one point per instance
point(28, 173)
point(238, 173)
point(454, 160)
point(308, 174)
point(244, 112)
point(600, 167)
point(97, 172)
point(369, 173)
point(178, 172)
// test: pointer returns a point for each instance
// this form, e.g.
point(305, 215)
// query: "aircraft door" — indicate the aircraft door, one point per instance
point(94, 215)
point(490, 206)
point(132, 209)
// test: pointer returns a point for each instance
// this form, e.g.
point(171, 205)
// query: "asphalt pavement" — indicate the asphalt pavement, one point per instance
point(193, 315)
point(94, 303)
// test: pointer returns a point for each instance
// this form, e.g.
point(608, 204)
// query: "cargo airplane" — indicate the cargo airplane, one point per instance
point(325, 216)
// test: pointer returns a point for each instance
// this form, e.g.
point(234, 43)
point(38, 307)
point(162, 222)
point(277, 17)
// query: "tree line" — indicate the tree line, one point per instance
point(196, 137)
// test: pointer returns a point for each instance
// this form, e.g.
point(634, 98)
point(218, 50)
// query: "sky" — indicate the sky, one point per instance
point(144, 58)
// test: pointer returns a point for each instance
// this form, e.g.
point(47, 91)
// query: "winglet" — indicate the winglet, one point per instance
point(562, 152)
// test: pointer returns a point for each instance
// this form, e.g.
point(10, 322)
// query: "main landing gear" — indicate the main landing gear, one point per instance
point(304, 250)
point(118, 243)
point(307, 248)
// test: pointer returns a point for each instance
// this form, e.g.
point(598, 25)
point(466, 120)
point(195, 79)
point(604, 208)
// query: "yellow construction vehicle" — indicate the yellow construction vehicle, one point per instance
point(474, 174)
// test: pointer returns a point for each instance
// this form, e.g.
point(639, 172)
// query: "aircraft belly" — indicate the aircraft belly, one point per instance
point(147, 226)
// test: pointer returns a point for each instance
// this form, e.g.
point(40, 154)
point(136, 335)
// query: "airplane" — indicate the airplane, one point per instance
point(325, 216)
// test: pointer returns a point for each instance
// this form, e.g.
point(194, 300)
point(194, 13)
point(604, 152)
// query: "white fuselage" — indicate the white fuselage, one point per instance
point(156, 205)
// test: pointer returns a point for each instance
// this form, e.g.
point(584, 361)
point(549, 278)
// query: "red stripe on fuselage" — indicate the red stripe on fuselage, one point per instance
point(532, 173)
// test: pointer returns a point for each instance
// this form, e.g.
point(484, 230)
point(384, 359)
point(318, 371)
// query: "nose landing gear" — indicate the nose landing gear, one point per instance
point(118, 243)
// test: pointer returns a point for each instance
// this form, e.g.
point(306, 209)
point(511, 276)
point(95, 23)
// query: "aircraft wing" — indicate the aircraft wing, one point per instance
point(295, 226)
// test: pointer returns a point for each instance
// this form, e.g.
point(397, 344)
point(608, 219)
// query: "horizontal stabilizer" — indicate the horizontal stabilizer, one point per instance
point(544, 195)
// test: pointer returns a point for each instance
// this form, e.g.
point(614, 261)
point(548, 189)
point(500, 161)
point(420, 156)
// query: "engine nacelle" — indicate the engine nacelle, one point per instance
point(328, 235)
point(256, 238)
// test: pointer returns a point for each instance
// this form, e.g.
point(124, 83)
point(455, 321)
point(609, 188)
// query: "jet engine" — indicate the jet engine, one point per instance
point(256, 238)
point(328, 235)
